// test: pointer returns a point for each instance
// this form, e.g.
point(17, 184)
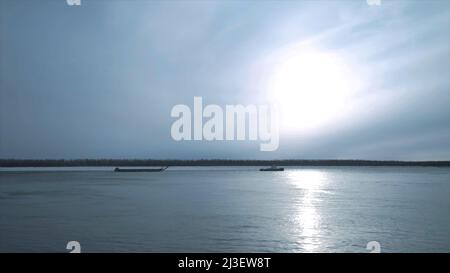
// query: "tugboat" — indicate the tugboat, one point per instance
point(273, 168)
point(129, 170)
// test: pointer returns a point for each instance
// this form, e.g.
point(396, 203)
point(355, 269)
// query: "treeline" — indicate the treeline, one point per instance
point(209, 162)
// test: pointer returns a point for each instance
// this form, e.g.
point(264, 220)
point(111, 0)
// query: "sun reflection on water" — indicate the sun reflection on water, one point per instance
point(307, 215)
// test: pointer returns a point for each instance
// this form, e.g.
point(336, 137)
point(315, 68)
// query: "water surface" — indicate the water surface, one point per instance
point(226, 209)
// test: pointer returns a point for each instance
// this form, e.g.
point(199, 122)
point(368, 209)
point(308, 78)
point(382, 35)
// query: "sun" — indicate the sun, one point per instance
point(310, 88)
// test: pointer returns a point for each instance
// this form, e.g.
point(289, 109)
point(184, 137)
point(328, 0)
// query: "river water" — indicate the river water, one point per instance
point(226, 209)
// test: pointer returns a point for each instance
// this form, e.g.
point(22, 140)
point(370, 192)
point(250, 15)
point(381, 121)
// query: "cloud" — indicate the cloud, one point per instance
point(100, 80)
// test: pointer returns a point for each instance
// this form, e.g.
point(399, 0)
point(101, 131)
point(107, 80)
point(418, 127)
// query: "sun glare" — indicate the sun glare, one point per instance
point(310, 87)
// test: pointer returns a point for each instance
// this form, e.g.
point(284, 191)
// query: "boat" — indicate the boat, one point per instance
point(130, 170)
point(272, 169)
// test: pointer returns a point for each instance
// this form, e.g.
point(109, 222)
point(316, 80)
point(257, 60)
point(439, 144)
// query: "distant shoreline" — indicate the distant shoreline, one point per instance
point(210, 162)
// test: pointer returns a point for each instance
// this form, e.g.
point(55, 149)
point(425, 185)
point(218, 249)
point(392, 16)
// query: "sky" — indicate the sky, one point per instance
point(99, 80)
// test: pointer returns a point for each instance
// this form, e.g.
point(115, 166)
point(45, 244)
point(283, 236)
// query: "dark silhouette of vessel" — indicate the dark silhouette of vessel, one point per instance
point(131, 170)
point(272, 169)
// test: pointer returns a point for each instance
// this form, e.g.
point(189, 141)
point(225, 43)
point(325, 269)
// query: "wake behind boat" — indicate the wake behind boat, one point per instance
point(129, 170)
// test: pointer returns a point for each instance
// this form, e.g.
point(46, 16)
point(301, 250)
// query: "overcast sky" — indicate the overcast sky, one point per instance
point(99, 80)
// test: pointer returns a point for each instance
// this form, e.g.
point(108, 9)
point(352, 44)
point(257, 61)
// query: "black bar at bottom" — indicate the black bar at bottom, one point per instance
point(224, 262)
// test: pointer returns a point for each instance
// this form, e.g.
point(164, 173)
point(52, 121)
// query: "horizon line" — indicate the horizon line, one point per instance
point(105, 162)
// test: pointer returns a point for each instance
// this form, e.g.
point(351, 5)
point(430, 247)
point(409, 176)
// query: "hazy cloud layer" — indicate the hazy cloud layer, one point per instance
point(100, 80)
